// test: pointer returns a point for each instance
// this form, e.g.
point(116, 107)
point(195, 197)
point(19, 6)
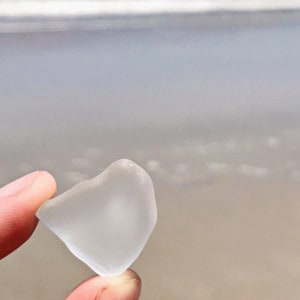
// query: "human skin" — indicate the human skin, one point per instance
point(19, 202)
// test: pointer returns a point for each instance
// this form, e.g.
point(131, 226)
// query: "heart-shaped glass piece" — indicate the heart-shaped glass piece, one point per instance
point(107, 220)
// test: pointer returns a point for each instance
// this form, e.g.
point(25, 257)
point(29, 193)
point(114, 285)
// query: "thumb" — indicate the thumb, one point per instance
point(126, 286)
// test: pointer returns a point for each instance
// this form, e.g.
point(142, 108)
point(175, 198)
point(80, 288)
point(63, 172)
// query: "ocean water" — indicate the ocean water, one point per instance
point(64, 93)
point(207, 104)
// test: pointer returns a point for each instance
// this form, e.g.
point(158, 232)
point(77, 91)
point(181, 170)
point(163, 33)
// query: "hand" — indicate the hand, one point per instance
point(19, 202)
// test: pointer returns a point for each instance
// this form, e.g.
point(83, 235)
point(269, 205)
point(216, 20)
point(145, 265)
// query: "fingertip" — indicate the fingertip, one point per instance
point(126, 286)
point(44, 187)
point(49, 178)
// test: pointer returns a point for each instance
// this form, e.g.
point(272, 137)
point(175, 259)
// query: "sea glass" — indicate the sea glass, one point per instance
point(107, 220)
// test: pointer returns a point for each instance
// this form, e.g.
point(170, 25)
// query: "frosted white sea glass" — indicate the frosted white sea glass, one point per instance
point(107, 220)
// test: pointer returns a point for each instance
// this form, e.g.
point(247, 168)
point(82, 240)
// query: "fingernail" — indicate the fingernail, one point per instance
point(126, 290)
point(18, 185)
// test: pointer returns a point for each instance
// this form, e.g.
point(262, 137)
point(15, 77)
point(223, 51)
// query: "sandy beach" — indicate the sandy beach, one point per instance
point(212, 114)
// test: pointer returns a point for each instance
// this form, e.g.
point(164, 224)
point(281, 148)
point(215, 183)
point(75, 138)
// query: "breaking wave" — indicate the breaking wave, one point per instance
point(54, 15)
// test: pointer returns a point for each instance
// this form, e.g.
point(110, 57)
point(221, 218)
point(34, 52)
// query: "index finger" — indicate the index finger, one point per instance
point(19, 202)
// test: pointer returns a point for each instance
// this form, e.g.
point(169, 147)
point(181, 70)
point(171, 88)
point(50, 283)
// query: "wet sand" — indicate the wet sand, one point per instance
point(228, 239)
point(212, 115)
point(223, 232)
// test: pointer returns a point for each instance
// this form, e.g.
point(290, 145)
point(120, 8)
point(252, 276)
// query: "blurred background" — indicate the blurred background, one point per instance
point(202, 94)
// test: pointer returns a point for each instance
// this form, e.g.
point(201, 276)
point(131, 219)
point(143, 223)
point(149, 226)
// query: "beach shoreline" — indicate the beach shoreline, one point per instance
point(212, 115)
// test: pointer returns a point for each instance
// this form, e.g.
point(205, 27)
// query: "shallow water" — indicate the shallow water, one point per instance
point(68, 94)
